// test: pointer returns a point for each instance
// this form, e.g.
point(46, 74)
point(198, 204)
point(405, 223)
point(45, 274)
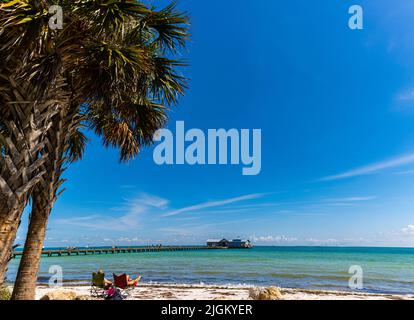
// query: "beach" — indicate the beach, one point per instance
point(211, 292)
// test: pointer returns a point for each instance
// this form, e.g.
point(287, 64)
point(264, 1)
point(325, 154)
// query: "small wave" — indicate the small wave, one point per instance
point(307, 276)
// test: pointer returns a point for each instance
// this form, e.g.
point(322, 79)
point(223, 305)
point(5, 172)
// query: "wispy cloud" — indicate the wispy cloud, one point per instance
point(406, 95)
point(212, 204)
point(273, 239)
point(152, 201)
point(372, 168)
point(351, 199)
point(132, 210)
point(95, 222)
point(404, 100)
point(323, 242)
point(405, 173)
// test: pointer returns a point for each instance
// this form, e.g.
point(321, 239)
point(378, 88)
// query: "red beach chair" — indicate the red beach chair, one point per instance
point(121, 282)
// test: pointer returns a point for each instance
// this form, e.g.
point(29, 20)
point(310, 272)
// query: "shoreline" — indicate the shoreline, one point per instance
point(160, 291)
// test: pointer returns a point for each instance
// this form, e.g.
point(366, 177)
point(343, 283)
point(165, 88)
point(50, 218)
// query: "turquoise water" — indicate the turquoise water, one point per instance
point(386, 270)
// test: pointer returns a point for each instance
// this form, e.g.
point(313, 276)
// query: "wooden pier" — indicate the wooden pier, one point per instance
point(117, 250)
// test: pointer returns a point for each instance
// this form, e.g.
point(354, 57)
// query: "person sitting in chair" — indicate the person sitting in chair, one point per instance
point(124, 281)
point(99, 284)
point(131, 282)
point(106, 283)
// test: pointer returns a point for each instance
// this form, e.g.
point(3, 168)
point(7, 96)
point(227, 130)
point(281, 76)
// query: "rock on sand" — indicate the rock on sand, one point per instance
point(271, 293)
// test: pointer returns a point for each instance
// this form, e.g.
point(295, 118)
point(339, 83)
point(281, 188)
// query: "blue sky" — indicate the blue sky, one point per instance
point(336, 110)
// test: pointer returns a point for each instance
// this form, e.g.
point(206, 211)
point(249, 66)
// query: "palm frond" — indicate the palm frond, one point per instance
point(165, 84)
point(170, 26)
point(24, 28)
point(129, 127)
point(109, 16)
point(76, 146)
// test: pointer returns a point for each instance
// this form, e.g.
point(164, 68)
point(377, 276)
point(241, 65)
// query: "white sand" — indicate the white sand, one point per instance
point(203, 292)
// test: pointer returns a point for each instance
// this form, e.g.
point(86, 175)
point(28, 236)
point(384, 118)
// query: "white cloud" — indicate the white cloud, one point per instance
point(408, 230)
point(323, 242)
point(133, 209)
point(351, 199)
point(347, 202)
point(404, 100)
point(404, 173)
point(152, 201)
point(273, 239)
point(143, 200)
point(407, 95)
point(372, 168)
point(211, 204)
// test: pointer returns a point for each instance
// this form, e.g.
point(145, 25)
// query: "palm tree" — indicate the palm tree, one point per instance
point(26, 114)
point(66, 144)
point(120, 79)
point(20, 140)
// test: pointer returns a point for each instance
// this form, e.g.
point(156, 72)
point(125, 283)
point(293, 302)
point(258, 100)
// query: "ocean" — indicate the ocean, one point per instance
point(385, 270)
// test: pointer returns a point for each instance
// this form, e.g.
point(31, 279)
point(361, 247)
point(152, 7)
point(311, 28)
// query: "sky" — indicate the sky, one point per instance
point(336, 110)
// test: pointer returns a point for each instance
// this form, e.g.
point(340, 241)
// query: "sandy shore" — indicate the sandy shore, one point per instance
point(203, 292)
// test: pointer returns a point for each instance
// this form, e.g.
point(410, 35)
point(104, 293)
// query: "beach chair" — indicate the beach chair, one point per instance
point(121, 282)
point(98, 287)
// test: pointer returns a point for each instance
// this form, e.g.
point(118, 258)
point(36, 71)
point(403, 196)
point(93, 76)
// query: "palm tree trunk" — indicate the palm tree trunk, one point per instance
point(21, 139)
point(8, 231)
point(11, 211)
point(25, 285)
point(44, 196)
